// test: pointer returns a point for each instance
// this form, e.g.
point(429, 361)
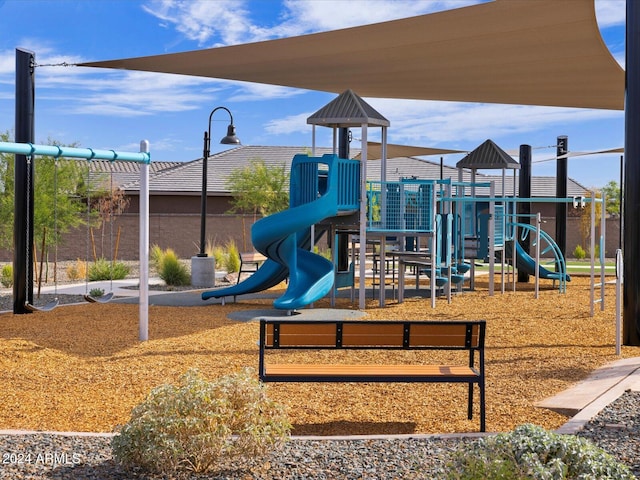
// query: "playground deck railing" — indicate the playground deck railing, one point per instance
point(314, 176)
point(405, 206)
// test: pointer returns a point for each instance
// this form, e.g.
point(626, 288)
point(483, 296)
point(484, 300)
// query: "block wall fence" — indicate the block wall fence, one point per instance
point(182, 232)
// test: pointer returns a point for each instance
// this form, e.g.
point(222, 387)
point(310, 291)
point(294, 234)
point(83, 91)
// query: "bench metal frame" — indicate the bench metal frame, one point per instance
point(377, 335)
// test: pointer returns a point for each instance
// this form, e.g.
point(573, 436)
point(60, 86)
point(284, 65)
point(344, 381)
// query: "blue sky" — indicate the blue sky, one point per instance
point(116, 109)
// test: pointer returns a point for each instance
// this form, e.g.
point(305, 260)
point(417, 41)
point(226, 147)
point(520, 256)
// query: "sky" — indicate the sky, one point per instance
point(111, 109)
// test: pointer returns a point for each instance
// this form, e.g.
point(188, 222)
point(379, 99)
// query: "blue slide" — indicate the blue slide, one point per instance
point(284, 238)
point(527, 264)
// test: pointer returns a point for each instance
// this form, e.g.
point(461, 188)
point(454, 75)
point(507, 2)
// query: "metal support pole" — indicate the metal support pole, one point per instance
point(23, 183)
point(144, 247)
point(203, 196)
point(342, 244)
point(524, 208)
point(561, 192)
point(631, 226)
point(363, 219)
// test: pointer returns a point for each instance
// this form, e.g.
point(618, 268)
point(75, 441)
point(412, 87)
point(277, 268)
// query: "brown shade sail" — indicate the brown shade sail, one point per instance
point(525, 52)
point(374, 151)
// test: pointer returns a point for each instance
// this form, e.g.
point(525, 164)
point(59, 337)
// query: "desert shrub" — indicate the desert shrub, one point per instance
point(209, 247)
point(579, 252)
point(77, 271)
point(233, 257)
point(219, 255)
point(6, 275)
point(155, 256)
point(103, 269)
point(202, 426)
point(530, 452)
point(171, 270)
point(96, 292)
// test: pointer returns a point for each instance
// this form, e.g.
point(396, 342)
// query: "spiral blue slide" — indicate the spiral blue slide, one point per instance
point(284, 238)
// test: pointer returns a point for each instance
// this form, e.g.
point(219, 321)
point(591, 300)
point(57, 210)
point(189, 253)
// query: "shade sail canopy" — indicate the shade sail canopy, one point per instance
point(374, 151)
point(526, 52)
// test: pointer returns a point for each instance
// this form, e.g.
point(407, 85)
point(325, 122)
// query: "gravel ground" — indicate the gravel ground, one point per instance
point(35, 456)
point(6, 300)
point(38, 456)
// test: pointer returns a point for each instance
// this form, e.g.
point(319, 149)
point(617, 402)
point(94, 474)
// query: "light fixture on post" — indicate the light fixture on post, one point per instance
point(205, 276)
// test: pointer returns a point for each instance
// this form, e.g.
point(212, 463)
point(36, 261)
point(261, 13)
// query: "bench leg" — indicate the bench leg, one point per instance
point(482, 405)
point(482, 408)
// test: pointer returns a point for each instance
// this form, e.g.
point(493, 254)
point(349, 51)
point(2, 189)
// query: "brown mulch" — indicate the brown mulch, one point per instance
point(82, 368)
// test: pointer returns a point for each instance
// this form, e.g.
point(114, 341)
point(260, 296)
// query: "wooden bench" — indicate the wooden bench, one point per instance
point(467, 336)
point(250, 262)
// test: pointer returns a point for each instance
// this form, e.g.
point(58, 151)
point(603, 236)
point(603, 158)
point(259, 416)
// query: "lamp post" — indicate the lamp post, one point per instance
point(202, 273)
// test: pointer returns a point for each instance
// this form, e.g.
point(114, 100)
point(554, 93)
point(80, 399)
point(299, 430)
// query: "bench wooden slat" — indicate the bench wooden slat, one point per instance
point(371, 334)
point(444, 335)
point(328, 370)
point(367, 334)
point(301, 335)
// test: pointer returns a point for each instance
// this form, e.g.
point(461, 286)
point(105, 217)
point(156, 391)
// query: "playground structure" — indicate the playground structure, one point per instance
point(438, 227)
point(434, 225)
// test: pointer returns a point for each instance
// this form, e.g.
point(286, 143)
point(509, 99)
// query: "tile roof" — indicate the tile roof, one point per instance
point(127, 172)
point(186, 177)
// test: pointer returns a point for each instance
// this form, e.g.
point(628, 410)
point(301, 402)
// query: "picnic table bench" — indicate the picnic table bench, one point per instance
point(466, 336)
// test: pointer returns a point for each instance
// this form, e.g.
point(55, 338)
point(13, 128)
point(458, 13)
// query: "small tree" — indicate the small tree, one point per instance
point(260, 189)
point(107, 205)
point(585, 219)
point(57, 199)
point(612, 198)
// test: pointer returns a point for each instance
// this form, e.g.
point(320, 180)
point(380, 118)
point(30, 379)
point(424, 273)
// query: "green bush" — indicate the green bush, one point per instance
point(103, 269)
point(579, 253)
point(233, 257)
point(202, 426)
point(171, 270)
point(96, 292)
point(530, 452)
point(219, 255)
point(6, 276)
point(155, 256)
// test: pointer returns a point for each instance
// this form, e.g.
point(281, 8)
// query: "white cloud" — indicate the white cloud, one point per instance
point(228, 22)
point(128, 94)
point(334, 14)
point(7, 62)
point(610, 12)
point(451, 124)
point(246, 91)
point(426, 122)
point(287, 125)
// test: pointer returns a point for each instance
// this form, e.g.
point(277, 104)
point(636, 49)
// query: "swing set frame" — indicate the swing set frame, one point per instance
point(23, 290)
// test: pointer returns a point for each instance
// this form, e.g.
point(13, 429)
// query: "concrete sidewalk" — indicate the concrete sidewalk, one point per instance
point(586, 399)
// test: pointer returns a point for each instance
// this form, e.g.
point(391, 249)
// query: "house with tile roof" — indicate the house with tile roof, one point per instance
point(176, 187)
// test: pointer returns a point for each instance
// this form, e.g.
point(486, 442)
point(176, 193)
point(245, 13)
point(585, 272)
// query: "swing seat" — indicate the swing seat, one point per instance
point(102, 299)
point(44, 308)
